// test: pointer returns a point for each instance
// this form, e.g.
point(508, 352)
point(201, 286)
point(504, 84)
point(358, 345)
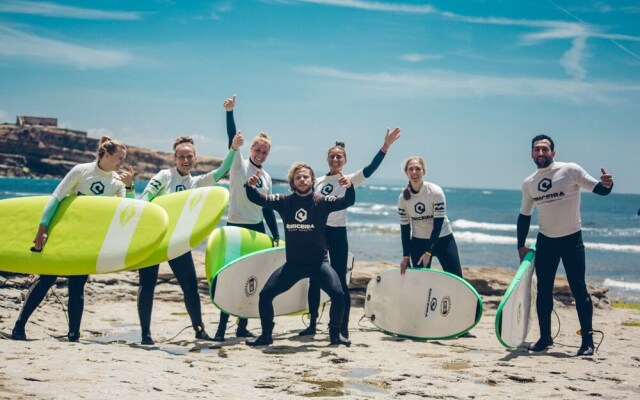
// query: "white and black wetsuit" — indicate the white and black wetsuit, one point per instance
point(242, 212)
point(336, 236)
point(165, 182)
point(305, 219)
point(555, 192)
point(83, 180)
point(424, 226)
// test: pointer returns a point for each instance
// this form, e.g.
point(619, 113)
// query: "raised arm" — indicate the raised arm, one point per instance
point(605, 185)
point(238, 141)
point(229, 103)
point(389, 138)
point(349, 199)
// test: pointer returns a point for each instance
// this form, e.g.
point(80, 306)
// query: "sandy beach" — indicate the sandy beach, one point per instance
point(109, 362)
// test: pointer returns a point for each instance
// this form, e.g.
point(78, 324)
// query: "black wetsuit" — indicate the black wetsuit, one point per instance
point(185, 272)
point(305, 220)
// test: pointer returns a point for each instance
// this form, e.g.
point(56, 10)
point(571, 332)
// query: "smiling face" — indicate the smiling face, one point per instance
point(113, 162)
point(185, 158)
point(542, 154)
point(259, 152)
point(303, 180)
point(336, 159)
point(415, 170)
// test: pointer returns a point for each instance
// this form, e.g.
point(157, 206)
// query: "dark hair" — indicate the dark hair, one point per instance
point(108, 145)
point(294, 168)
point(183, 140)
point(338, 145)
point(542, 137)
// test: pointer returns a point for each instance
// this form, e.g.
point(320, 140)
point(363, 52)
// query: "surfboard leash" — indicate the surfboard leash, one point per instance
point(579, 333)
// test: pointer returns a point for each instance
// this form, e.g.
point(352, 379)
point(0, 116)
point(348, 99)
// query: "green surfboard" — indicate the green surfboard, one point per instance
point(87, 235)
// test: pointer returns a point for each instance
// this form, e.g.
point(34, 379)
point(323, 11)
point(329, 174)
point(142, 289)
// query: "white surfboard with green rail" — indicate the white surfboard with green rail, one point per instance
point(422, 304)
point(193, 214)
point(239, 262)
point(87, 235)
point(514, 312)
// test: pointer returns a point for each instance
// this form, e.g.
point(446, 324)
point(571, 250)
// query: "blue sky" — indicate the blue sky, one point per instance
point(469, 82)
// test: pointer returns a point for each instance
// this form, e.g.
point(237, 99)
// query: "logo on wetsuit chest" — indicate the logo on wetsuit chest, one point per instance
point(327, 189)
point(419, 208)
point(544, 185)
point(180, 188)
point(259, 183)
point(300, 216)
point(97, 188)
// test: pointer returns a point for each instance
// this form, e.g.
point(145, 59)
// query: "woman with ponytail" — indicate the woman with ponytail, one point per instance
point(80, 181)
point(336, 231)
point(424, 226)
point(174, 180)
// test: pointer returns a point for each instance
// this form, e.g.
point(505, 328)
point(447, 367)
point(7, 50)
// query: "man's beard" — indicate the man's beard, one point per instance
point(544, 163)
point(305, 192)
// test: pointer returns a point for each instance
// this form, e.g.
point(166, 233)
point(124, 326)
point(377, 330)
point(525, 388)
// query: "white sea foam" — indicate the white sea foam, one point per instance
point(466, 224)
point(624, 248)
point(612, 283)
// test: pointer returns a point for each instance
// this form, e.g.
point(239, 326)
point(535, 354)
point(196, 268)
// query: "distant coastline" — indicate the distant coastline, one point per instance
point(36, 151)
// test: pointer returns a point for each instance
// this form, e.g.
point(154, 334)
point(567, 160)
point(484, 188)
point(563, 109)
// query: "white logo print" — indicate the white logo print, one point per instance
point(301, 215)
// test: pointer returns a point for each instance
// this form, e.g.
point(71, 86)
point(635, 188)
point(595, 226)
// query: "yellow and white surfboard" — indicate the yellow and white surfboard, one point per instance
point(87, 235)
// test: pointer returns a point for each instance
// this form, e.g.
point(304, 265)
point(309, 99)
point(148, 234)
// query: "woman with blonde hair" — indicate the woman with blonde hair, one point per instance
point(97, 178)
point(424, 226)
point(242, 212)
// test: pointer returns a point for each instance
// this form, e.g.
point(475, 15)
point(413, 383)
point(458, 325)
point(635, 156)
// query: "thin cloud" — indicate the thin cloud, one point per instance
point(576, 32)
point(17, 44)
point(441, 84)
point(4, 116)
point(374, 6)
point(54, 10)
point(418, 58)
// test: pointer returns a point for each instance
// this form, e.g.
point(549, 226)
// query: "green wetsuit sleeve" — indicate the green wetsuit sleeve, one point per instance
point(146, 196)
point(49, 211)
point(226, 164)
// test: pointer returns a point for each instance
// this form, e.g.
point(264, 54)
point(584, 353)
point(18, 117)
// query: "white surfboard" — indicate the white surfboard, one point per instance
point(514, 312)
point(235, 288)
point(422, 304)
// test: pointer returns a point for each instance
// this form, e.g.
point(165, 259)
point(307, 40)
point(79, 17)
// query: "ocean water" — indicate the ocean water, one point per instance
point(484, 225)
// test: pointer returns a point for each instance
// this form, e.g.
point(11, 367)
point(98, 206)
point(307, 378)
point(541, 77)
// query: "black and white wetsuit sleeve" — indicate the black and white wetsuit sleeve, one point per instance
point(270, 202)
point(340, 203)
point(375, 163)
point(524, 221)
point(231, 127)
point(601, 190)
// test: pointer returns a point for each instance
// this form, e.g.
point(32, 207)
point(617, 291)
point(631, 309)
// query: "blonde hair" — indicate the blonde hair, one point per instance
point(108, 145)
point(183, 140)
point(262, 137)
point(295, 168)
point(406, 193)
